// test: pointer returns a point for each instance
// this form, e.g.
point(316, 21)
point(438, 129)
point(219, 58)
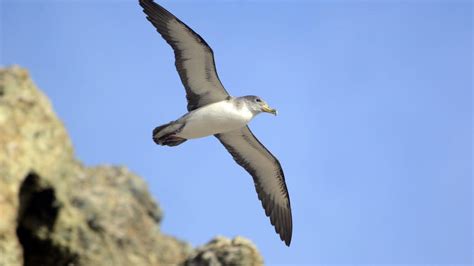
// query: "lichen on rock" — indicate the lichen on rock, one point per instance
point(223, 251)
point(56, 211)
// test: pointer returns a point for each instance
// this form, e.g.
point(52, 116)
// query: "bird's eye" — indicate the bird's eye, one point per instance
point(258, 100)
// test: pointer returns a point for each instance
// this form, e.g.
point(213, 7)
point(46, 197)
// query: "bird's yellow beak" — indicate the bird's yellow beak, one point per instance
point(267, 109)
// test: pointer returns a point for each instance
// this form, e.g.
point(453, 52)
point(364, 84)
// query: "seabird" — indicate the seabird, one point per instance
point(212, 111)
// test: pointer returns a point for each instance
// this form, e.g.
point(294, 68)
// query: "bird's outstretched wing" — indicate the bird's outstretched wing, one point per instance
point(194, 58)
point(267, 175)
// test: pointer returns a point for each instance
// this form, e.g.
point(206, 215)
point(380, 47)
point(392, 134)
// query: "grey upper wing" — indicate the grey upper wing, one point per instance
point(267, 174)
point(194, 58)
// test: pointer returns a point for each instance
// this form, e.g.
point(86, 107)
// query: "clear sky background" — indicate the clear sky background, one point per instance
point(374, 129)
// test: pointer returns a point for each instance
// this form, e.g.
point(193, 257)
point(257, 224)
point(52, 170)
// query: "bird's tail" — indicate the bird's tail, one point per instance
point(166, 134)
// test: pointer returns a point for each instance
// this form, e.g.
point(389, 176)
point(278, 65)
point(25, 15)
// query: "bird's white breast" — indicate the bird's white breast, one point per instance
point(214, 118)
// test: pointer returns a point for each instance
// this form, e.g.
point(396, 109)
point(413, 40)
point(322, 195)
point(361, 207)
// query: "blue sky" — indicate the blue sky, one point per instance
point(374, 129)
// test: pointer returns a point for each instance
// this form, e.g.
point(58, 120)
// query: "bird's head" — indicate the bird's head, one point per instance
point(258, 105)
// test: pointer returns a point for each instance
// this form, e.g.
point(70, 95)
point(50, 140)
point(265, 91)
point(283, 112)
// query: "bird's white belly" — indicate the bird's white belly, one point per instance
point(212, 119)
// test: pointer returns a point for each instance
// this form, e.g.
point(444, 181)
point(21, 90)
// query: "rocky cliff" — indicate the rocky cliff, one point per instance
point(56, 211)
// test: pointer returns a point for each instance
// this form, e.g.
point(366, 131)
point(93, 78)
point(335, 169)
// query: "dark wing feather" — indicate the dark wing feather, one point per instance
point(267, 175)
point(194, 58)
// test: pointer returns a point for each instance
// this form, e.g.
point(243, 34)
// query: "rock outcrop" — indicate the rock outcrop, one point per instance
point(56, 211)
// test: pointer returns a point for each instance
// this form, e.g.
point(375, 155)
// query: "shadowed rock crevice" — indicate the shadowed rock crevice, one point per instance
point(38, 205)
point(37, 216)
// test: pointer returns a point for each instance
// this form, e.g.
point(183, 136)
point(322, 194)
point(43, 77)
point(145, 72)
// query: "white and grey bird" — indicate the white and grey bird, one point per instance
point(212, 111)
